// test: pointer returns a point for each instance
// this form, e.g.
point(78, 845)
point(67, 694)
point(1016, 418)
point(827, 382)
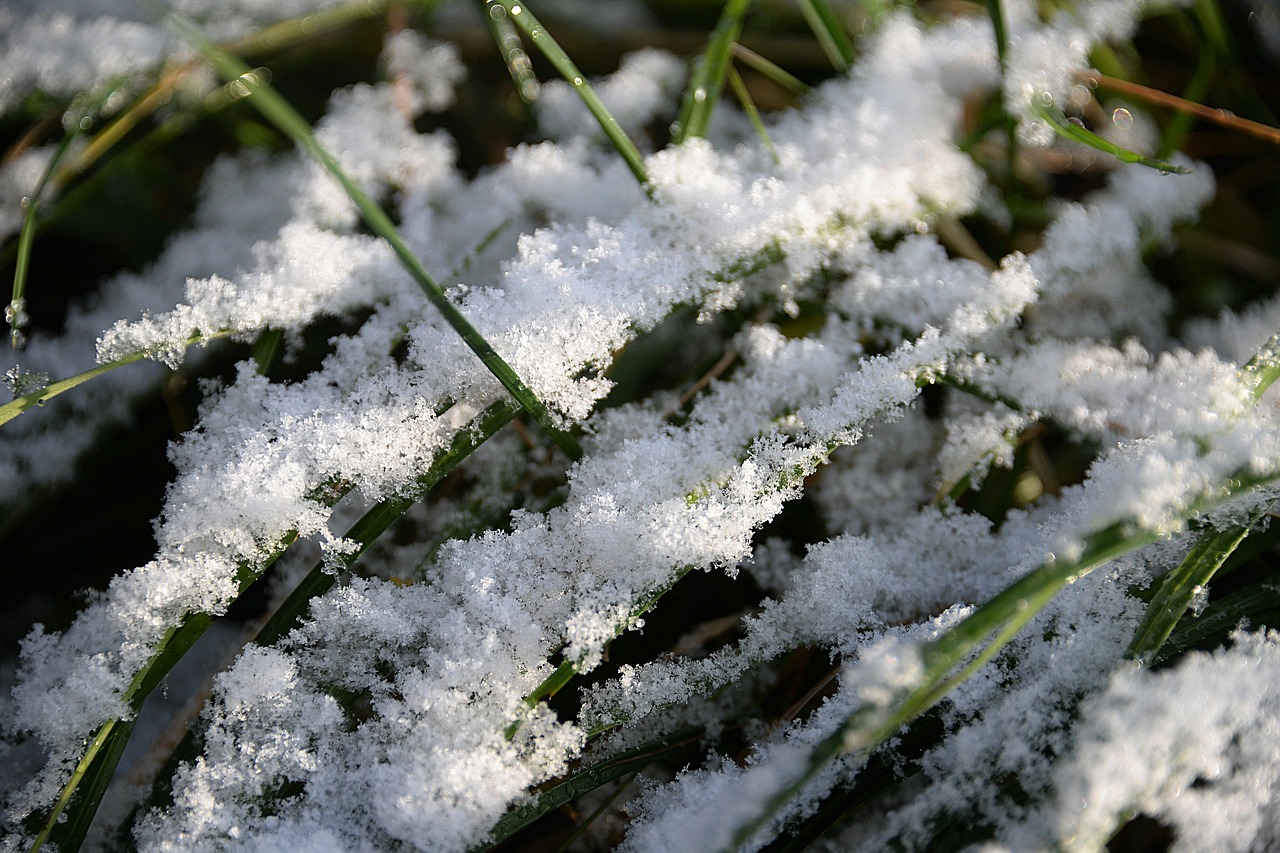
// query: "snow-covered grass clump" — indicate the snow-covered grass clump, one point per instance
point(848, 467)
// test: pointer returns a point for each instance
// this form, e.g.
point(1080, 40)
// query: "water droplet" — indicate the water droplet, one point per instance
point(498, 13)
point(535, 33)
point(1046, 99)
point(24, 202)
point(577, 81)
point(699, 95)
point(86, 123)
point(1122, 118)
point(515, 10)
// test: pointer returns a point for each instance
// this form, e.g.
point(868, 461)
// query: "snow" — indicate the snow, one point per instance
point(396, 713)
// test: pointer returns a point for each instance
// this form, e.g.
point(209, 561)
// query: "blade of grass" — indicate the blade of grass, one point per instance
point(586, 824)
point(1079, 134)
point(524, 19)
point(967, 646)
point(956, 654)
point(830, 34)
point(509, 45)
point(266, 348)
point(709, 73)
point(552, 684)
point(1181, 586)
point(381, 516)
point(278, 111)
point(1258, 604)
point(773, 72)
point(22, 403)
point(1001, 33)
point(582, 782)
point(102, 753)
point(749, 107)
point(76, 120)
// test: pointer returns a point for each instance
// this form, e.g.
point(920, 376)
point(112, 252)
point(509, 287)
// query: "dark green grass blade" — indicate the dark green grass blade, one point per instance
point(523, 18)
point(381, 516)
point(582, 782)
point(1075, 133)
point(1192, 575)
point(1180, 588)
point(277, 110)
point(830, 34)
point(710, 72)
point(83, 792)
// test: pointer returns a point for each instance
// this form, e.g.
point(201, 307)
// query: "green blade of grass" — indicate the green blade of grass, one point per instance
point(1075, 133)
point(749, 107)
point(364, 532)
point(533, 28)
point(1179, 590)
point(279, 112)
point(1181, 586)
point(1257, 604)
point(582, 782)
point(770, 70)
point(76, 121)
point(958, 653)
point(83, 792)
point(517, 61)
point(709, 73)
point(89, 782)
point(38, 398)
point(553, 683)
point(830, 34)
point(381, 516)
point(969, 645)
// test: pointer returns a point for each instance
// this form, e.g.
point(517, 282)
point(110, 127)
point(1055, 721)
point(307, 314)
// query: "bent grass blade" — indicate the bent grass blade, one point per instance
point(519, 13)
point(280, 113)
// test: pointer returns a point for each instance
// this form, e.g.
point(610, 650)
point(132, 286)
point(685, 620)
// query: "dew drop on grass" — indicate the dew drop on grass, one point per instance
point(1122, 118)
point(577, 81)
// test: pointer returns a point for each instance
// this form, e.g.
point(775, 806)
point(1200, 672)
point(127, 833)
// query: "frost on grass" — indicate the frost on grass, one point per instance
point(397, 714)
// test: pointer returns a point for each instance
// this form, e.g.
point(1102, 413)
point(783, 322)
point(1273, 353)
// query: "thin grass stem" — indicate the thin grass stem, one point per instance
point(277, 110)
point(507, 39)
point(1224, 118)
point(1076, 133)
point(710, 71)
point(753, 114)
point(829, 33)
point(381, 516)
point(523, 18)
point(75, 122)
point(770, 70)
